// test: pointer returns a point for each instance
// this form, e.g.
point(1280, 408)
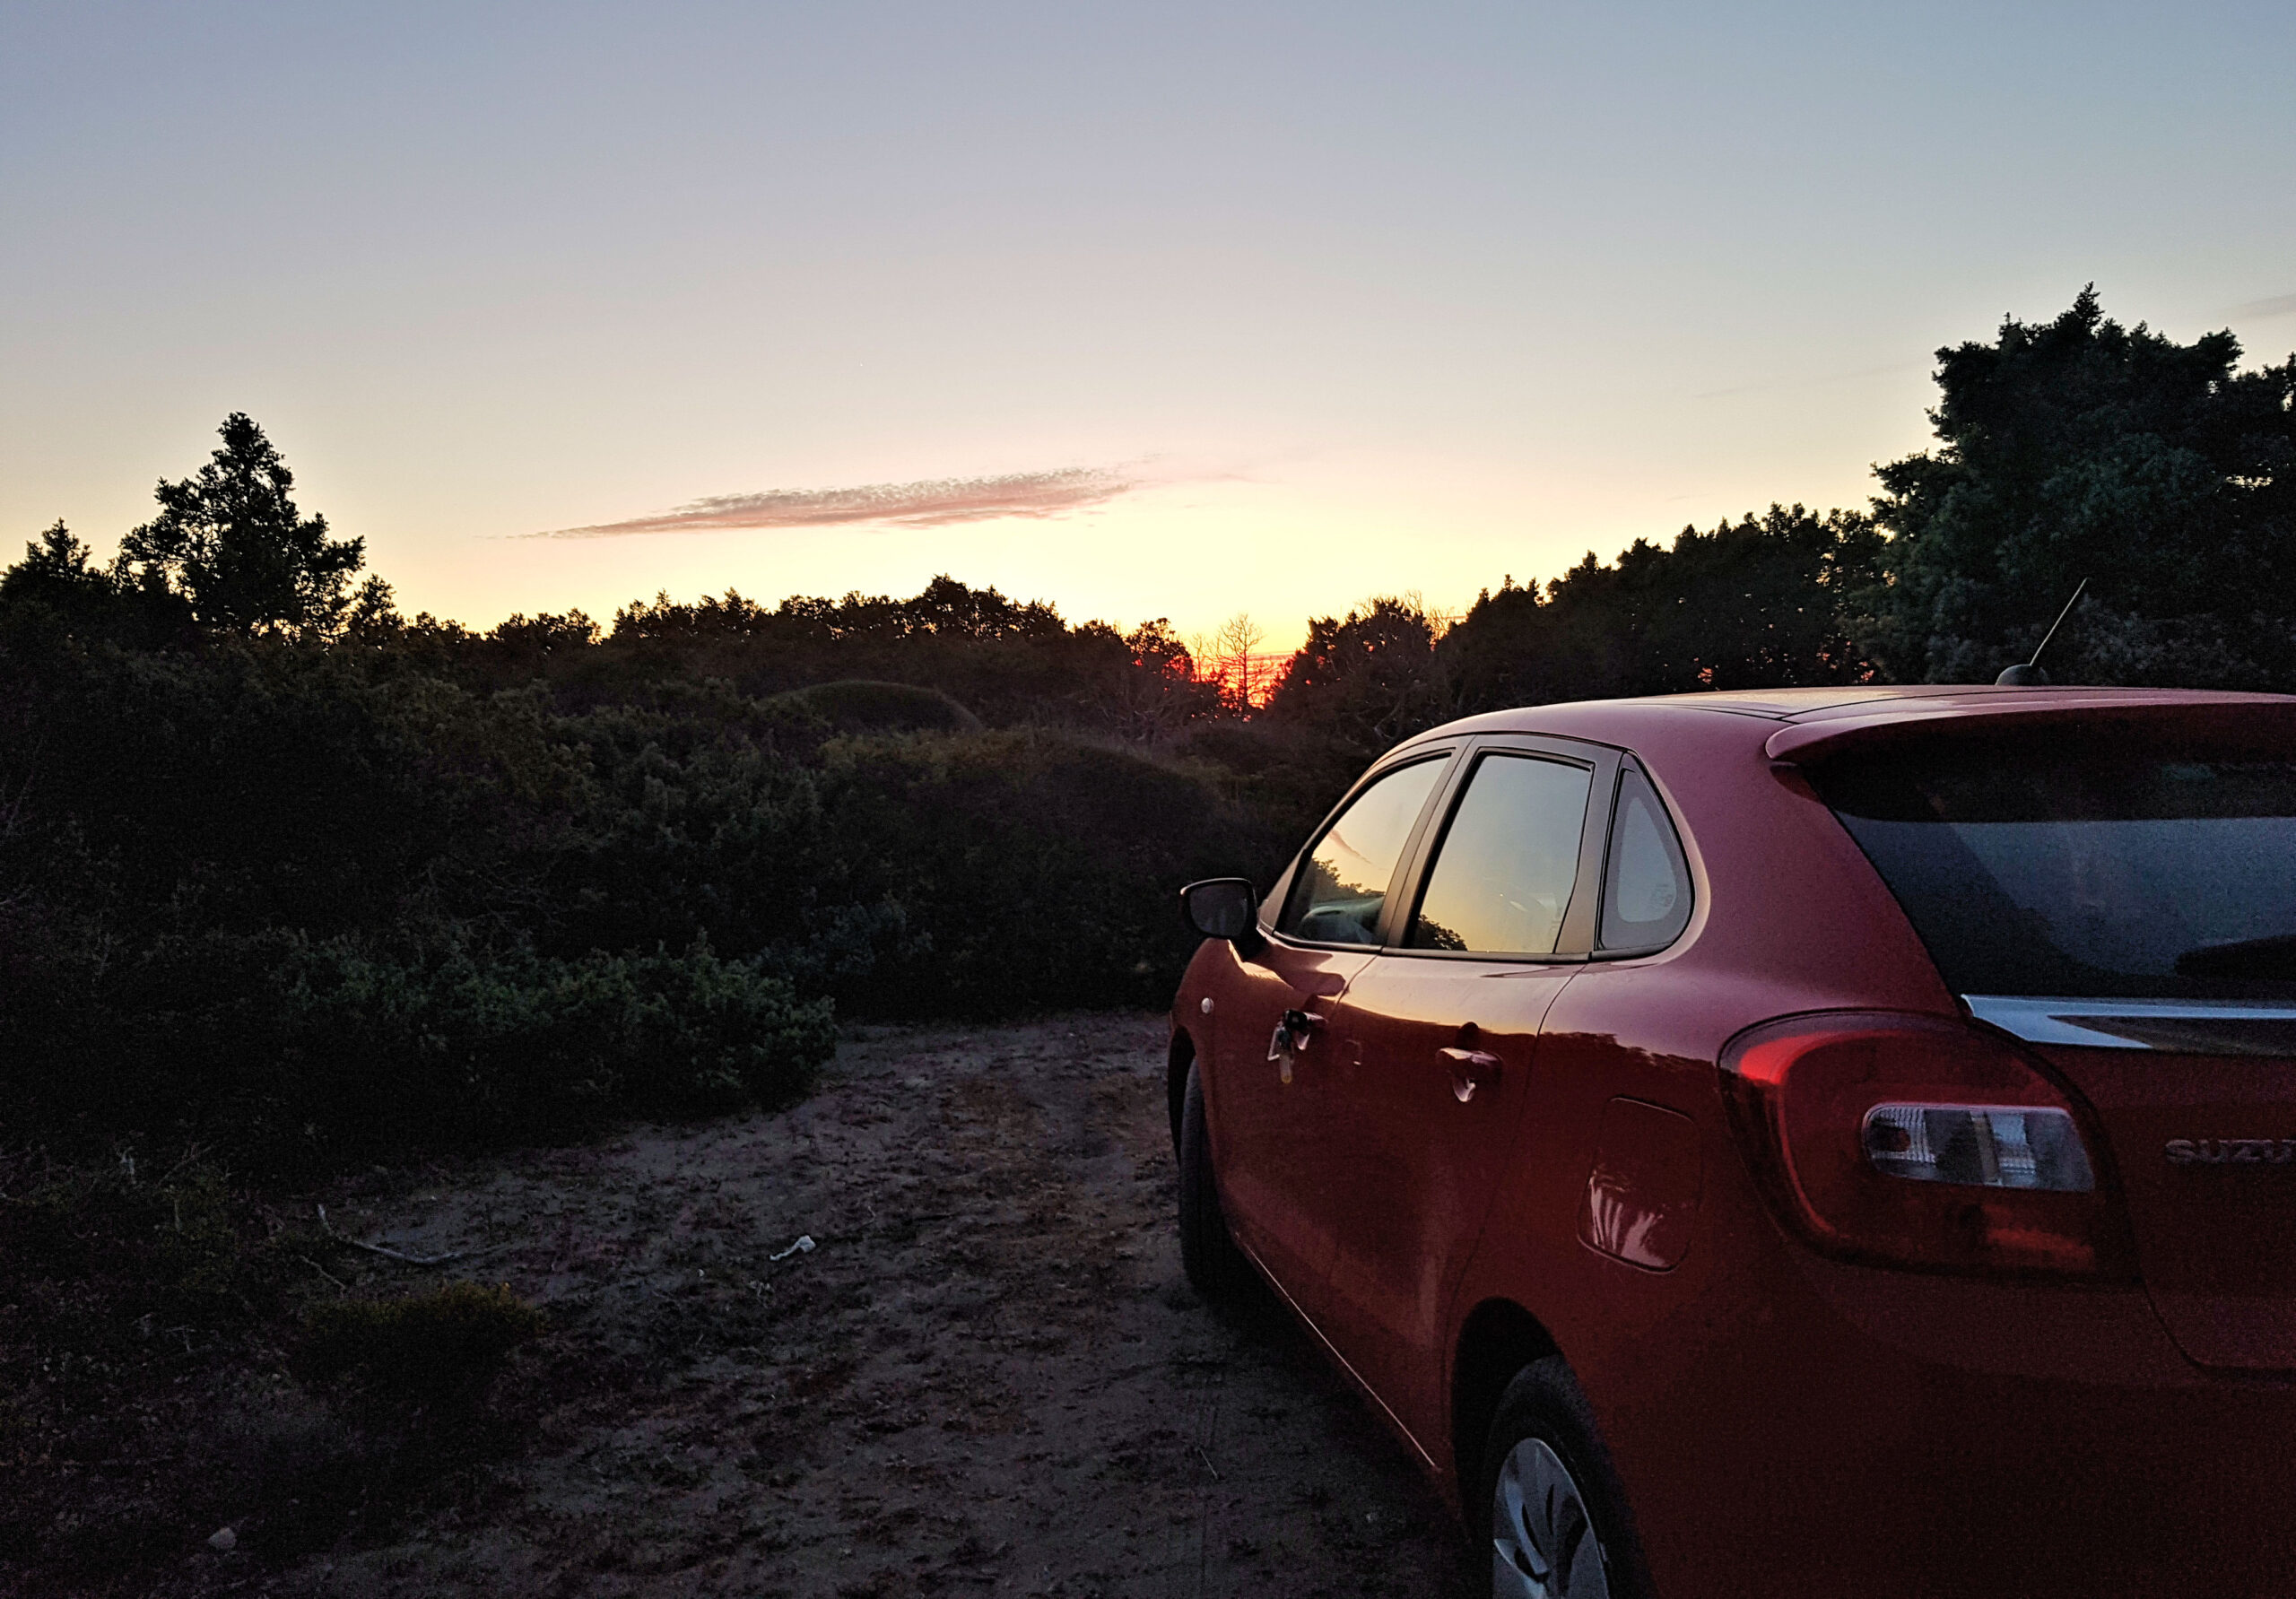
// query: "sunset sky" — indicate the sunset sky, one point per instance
point(1145, 310)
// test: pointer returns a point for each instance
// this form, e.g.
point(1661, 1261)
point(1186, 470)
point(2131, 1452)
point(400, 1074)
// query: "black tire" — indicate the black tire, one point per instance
point(1545, 1403)
point(1208, 1254)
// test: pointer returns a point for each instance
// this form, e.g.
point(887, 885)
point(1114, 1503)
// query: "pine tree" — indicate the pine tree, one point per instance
point(231, 542)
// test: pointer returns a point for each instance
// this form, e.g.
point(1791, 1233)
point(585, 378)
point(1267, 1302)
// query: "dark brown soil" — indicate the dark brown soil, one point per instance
point(988, 1377)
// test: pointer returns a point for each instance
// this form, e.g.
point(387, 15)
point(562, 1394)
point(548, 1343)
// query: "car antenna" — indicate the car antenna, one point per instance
point(2028, 674)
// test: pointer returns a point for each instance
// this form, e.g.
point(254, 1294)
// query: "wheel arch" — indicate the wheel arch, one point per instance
point(1497, 1339)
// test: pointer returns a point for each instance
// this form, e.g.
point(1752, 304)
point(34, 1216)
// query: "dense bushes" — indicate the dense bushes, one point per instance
point(1034, 869)
point(857, 704)
point(295, 1052)
point(309, 901)
point(283, 871)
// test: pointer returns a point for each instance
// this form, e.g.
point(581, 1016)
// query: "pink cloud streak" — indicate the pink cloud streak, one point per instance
point(938, 502)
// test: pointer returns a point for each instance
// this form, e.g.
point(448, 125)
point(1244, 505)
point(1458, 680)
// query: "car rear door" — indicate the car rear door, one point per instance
point(1437, 1042)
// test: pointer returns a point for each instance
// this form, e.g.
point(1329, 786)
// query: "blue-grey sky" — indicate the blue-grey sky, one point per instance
point(1145, 310)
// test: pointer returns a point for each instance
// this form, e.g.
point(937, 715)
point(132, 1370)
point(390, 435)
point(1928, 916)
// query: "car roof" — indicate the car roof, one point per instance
point(1800, 724)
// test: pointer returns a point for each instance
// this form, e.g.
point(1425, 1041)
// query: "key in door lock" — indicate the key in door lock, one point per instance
point(1291, 1036)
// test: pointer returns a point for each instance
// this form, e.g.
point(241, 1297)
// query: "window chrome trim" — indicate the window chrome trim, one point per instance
point(2181, 1026)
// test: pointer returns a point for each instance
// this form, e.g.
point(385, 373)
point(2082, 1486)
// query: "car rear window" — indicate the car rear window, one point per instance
point(2093, 871)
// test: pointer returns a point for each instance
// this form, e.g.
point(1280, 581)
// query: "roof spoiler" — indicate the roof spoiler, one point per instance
point(2260, 721)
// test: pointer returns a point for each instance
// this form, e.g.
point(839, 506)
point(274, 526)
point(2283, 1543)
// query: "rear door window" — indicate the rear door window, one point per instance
point(1503, 876)
point(2087, 871)
point(1343, 884)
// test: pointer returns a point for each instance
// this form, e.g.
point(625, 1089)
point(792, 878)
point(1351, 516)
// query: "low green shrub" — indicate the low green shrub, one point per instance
point(183, 1245)
point(442, 1346)
point(143, 1309)
point(463, 1038)
point(299, 1053)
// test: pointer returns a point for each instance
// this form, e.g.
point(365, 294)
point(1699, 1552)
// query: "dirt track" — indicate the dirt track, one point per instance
point(988, 1377)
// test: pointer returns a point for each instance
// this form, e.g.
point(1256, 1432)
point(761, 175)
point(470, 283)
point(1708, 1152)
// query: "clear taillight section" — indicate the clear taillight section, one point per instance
point(1981, 1146)
point(1917, 1141)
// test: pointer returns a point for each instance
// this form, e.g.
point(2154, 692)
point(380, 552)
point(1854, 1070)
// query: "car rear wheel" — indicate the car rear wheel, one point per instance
point(1208, 1252)
point(1559, 1527)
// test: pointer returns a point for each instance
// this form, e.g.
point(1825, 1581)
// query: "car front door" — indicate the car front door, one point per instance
point(1269, 1094)
point(1437, 1039)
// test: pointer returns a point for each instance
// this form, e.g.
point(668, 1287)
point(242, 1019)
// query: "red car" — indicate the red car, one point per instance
point(1815, 1141)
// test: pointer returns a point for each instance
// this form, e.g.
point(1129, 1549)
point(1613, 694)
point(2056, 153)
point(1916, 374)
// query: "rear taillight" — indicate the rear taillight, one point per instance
point(1915, 1140)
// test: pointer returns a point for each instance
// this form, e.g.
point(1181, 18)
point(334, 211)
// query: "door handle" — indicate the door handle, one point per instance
point(1471, 1069)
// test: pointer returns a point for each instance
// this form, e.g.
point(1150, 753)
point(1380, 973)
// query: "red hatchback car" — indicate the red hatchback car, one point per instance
point(1815, 1141)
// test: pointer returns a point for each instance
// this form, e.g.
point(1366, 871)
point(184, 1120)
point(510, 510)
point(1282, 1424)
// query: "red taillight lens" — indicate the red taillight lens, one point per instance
point(1915, 1140)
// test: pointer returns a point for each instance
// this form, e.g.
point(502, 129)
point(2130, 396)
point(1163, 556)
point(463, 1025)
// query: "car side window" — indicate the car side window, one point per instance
point(1645, 887)
point(1344, 881)
point(1503, 876)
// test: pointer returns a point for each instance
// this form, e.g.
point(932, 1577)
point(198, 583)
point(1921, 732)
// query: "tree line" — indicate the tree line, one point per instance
point(2075, 450)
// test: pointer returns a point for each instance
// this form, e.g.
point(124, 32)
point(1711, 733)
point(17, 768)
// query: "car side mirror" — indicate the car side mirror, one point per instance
point(1223, 907)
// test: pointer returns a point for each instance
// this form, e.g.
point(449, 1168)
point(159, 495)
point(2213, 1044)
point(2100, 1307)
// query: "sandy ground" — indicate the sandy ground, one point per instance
point(988, 1377)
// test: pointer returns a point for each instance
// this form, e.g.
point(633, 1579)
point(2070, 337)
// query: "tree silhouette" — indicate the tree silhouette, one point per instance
point(58, 581)
point(1367, 681)
point(2080, 449)
point(57, 572)
point(1752, 604)
point(231, 542)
